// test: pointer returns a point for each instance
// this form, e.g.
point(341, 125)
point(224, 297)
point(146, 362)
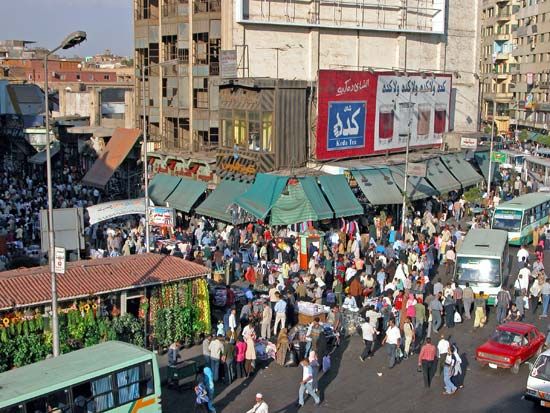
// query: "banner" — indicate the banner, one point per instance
point(108, 210)
point(498, 157)
point(468, 143)
point(161, 216)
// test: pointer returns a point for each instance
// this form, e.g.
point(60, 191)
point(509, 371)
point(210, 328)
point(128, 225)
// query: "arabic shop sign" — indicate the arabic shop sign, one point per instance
point(108, 210)
point(346, 125)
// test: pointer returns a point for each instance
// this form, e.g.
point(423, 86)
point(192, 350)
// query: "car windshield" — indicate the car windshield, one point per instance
point(541, 369)
point(507, 220)
point(478, 271)
point(508, 338)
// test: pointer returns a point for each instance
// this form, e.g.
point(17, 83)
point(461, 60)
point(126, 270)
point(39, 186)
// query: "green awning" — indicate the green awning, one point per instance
point(161, 186)
point(294, 206)
point(461, 170)
point(417, 187)
point(316, 198)
point(217, 203)
point(482, 159)
point(341, 198)
point(378, 186)
point(262, 195)
point(440, 177)
point(186, 194)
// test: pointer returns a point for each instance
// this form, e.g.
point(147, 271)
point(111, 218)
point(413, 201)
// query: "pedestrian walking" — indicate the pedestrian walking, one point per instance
point(392, 340)
point(240, 352)
point(458, 373)
point(426, 361)
point(503, 303)
point(368, 332)
point(468, 298)
point(282, 347)
point(479, 310)
point(201, 396)
point(266, 321)
point(306, 384)
point(449, 365)
point(280, 313)
point(436, 309)
point(442, 350)
point(209, 384)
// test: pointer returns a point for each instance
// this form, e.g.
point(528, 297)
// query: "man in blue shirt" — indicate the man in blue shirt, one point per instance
point(280, 313)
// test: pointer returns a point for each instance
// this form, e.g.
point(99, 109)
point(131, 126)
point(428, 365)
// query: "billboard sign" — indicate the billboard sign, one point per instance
point(362, 113)
point(228, 64)
point(68, 226)
point(468, 143)
point(109, 210)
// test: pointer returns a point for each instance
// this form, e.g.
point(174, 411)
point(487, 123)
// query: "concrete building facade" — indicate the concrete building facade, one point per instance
point(531, 80)
point(497, 61)
point(182, 43)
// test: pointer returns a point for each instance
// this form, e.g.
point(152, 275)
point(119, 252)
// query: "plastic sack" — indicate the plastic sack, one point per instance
point(326, 363)
point(458, 318)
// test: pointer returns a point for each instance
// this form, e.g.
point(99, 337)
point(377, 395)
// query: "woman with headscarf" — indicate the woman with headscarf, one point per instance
point(250, 354)
point(209, 384)
point(282, 346)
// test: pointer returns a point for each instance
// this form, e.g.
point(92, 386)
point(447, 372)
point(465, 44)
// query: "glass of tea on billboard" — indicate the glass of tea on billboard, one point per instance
point(440, 118)
point(404, 117)
point(423, 125)
point(385, 123)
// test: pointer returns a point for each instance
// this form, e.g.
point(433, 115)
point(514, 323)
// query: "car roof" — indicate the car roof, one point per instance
point(515, 327)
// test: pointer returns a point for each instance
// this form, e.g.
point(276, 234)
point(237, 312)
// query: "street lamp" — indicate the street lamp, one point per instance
point(71, 40)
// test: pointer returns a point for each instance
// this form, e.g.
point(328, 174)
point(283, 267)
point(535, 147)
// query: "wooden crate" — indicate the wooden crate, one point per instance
point(308, 319)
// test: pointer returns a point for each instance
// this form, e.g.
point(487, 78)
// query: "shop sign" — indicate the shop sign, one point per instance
point(161, 216)
point(468, 143)
point(228, 64)
point(498, 157)
point(59, 260)
point(237, 165)
point(108, 210)
point(239, 98)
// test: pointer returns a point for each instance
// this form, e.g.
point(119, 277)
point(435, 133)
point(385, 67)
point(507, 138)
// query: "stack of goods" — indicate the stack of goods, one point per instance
point(308, 311)
point(350, 322)
point(220, 296)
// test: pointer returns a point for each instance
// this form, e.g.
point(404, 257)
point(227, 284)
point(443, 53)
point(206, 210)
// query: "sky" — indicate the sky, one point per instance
point(108, 24)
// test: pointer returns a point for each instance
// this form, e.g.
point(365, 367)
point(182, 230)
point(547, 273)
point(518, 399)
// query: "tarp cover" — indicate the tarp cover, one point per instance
point(440, 177)
point(417, 186)
point(161, 186)
point(341, 198)
point(217, 203)
point(262, 195)
point(186, 194)
point(378, 186)
point(461, 170)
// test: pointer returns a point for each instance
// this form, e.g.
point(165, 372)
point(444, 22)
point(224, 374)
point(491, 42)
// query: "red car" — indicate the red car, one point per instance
point(510, 345)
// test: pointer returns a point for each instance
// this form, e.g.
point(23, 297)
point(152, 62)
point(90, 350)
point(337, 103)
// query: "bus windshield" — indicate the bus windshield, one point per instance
point(478, 271)
point(507, 220)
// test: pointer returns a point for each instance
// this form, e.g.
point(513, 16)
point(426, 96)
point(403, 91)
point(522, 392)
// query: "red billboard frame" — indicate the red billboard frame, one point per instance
point(358, 92)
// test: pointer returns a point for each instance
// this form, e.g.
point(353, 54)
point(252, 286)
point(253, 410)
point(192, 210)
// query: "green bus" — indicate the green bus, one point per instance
point(483, 261)
point(521, 215)
point(109, 377)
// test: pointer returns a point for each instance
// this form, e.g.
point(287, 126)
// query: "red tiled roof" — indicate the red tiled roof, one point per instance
point(31, 286)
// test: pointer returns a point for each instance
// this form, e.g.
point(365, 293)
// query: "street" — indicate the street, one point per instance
point(353, 386)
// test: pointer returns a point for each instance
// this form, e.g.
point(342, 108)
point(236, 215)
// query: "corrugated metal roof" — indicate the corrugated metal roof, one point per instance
point(115, 152)
point(32, 286)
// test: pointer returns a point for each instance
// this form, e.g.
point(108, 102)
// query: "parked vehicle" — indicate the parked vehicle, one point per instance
point(510, 345)
point(538, 383)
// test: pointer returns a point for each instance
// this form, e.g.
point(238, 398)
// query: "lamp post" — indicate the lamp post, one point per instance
point(71, 40)
point(491, 150)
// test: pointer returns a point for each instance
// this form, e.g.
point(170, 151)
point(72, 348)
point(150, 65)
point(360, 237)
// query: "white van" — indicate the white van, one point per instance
point(538, 383)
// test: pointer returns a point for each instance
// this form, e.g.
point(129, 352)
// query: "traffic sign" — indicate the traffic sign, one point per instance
point(59, 260)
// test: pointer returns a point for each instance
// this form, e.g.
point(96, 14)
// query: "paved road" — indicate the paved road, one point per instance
point(353, 386)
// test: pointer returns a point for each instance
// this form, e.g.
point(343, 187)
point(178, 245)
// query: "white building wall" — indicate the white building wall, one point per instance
point(302, 50)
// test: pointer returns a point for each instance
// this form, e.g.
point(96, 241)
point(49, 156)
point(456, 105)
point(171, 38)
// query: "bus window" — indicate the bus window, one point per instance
point(538, 212)
point(12, 409)
point(102, 392)
point(134, 383)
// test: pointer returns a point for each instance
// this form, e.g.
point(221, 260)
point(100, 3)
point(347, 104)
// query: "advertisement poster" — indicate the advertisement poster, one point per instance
point(161, 216)
point(362, 113)
point(108, 210)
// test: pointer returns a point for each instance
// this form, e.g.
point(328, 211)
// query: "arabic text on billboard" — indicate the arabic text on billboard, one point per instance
point(108, 210)
point(161, 216)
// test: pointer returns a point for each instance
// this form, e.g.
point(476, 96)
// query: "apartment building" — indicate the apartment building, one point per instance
point(531, 80)
point(184, 46)
point(497, 61)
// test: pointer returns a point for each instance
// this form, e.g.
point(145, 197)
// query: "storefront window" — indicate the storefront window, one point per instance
point(267, 129)
point(227, 132)
point(254, 131)
point(239, 128)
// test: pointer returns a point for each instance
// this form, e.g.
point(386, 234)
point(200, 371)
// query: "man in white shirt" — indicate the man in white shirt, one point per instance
point(233, 324)
point(525, 272)
point(523, 254)
point(402, 271)
point(306, 384)
point(442, 349)
point(260, 406)
point(368, 332)
point(350, 273)
point(392, 340)
point(522, 283)
point(349, 302)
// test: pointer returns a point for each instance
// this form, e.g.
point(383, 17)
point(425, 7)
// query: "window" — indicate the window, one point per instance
point(106, 77)
point(102, 390)
point(183, 55)
point(12, 409)
point(128, 385)
point(57, 401)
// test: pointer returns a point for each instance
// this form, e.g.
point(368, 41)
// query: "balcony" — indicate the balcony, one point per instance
point(544, 85)
point(501, 76)
point(502, 56)
point(502, 37)
point(504, 16)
